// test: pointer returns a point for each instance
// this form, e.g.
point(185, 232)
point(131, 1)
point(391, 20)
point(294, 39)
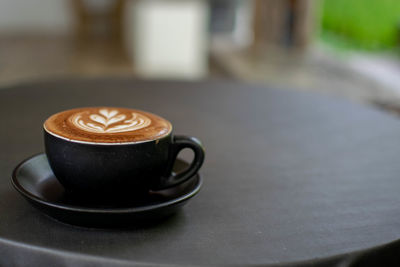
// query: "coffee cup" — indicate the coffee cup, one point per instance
point(108, 152)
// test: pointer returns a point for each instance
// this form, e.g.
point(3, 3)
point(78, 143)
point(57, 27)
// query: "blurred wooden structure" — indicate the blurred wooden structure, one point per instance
point(98, 38)
point(98, 20)
point(280, 23)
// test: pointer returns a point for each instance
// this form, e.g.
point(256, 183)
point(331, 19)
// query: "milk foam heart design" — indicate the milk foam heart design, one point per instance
point(109, 121)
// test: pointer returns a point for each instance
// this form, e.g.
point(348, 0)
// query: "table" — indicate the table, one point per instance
point(294, 179)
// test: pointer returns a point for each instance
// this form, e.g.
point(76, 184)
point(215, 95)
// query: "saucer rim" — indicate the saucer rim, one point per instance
point(31, 197)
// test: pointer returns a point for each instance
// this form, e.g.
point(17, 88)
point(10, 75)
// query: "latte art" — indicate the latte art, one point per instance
point(109, 121)
point(107, 125)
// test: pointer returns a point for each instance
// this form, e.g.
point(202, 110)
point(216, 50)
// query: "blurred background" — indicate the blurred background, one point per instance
point(346, 48)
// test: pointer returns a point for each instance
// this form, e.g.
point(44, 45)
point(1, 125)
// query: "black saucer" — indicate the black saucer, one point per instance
point(34, 179)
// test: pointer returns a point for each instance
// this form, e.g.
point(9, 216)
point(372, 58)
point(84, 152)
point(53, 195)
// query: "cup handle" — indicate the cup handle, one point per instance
point(180, 142)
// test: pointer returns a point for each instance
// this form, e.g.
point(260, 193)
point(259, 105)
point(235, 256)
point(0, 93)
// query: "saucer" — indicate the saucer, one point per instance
point(34, 180)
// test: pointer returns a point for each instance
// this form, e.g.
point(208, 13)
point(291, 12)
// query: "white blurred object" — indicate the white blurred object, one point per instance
point(168, 39)
point(242, 33)
point(34, 16)
point(383, 69)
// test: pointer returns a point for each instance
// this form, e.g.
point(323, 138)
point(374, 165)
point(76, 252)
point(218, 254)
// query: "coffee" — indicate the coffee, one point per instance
point(105, 153)
point(107, 125)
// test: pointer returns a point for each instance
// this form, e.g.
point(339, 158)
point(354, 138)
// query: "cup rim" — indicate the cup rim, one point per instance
point(104, 143)
point(107, 143)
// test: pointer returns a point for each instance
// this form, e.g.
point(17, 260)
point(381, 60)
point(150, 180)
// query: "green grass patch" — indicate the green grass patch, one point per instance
point(361, 24)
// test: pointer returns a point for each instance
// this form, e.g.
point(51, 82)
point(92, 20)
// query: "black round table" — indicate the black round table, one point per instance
point(290, 179)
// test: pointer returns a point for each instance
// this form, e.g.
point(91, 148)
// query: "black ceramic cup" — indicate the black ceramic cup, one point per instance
point(108, 170)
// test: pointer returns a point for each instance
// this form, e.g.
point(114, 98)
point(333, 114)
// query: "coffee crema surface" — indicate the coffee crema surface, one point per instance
point(107, 125)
